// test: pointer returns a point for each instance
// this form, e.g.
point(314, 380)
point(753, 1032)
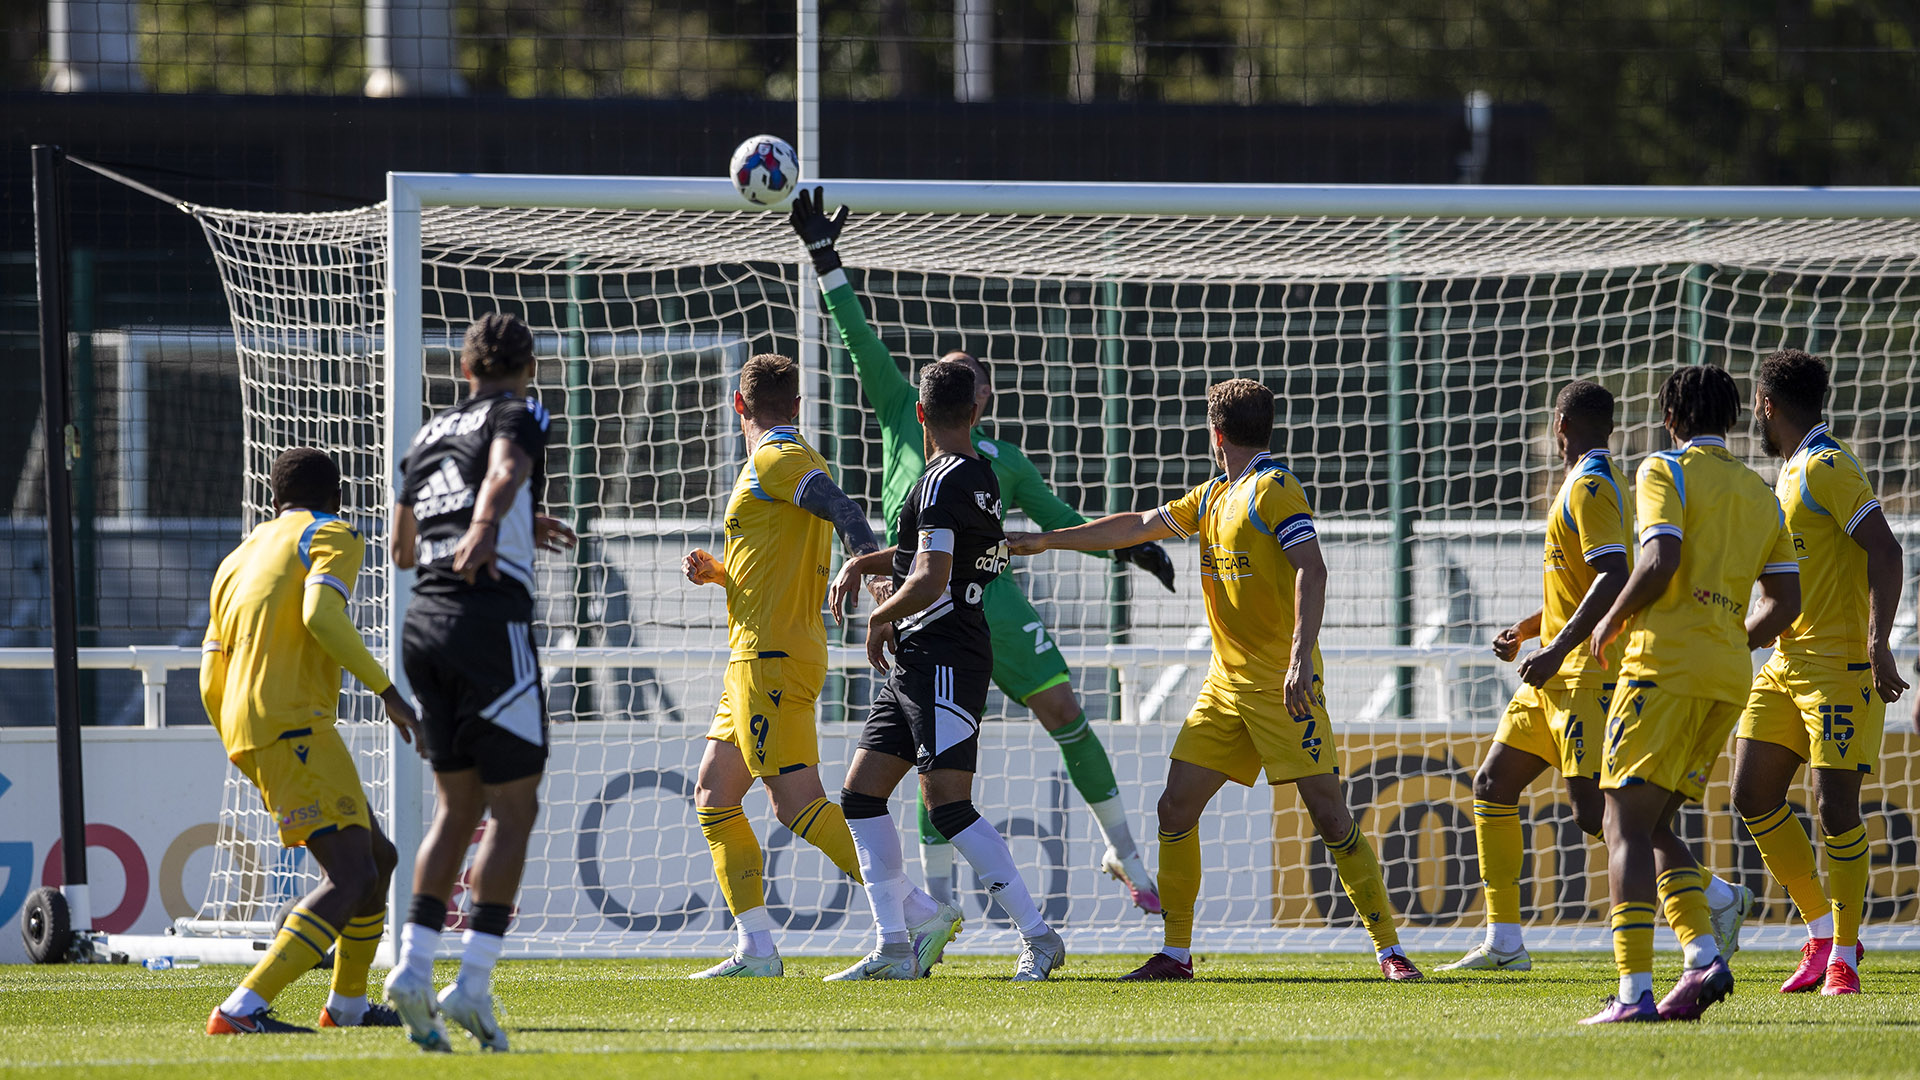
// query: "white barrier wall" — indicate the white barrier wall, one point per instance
point(153, 802)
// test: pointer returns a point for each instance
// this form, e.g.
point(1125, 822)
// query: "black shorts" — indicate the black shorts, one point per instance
point(929, 716)
point(477, 681)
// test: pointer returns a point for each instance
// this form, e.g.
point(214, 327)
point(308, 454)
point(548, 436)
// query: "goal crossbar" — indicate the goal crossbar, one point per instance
point(1240, 200)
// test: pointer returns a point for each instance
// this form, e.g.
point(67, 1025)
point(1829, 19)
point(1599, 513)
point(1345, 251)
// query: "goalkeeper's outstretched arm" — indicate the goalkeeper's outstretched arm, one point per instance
point(889, 391)
point(1106, 534)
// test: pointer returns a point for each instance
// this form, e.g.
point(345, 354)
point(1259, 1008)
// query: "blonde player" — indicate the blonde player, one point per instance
point(1262, 705)
point(1822, 698)
point(779, 528)
point(277, 636)
point(1709, 529)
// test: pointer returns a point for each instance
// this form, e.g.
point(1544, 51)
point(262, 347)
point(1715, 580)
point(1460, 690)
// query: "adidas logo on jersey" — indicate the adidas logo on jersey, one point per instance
point(445, 492)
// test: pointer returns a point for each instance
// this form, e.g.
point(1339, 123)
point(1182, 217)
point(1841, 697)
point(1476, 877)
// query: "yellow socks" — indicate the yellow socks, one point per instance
point(1179, 880)
point(1497, 828)
point(1788, 854)
point(823, 825)
point(1847, 870)
point(736, 856)
point(1360, 877)
point(301, 943)
point(1684, 895)
point(359, 940)
point(1632, 938)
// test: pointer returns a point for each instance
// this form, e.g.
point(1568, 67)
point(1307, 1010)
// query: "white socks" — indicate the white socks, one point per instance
point(347, 1011)
point(755, 928)
point(417, 945)
point(1849, 956)
point(936, 865)
point(1821, 927)
point(987, 852)
point(1504, 937)
point(878, 844)
point(1720, 892)
point(1391, 950)
point(243, 1002)
point(1185, 956)
point(1634, 985)
point(480, 953)
point(1112, 816)
point(1701, 951)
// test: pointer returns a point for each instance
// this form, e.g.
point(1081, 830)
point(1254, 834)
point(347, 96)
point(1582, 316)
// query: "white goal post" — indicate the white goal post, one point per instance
point(1414, 334)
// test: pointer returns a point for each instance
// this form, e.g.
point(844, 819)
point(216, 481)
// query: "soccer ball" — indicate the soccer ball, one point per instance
point(765, 170)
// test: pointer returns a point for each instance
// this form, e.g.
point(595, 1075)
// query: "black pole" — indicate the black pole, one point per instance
point(50, 270)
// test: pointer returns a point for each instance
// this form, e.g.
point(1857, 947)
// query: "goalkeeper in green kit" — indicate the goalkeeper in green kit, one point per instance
point(1027, 665)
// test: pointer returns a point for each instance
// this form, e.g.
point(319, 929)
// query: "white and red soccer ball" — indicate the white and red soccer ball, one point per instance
point(765, 170)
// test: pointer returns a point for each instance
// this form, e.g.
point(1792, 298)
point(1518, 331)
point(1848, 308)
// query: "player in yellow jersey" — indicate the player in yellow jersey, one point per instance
point(1709, 530)
point(1262, 705)
point(779, 527)
point(1822, 698)
point(277, 636)
point(1557, 716)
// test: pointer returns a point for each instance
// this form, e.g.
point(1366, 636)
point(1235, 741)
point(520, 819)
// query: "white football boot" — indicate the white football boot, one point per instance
point(1728, 920)
point(475, 1013)
point(885, 962)
point(412, 997)
point(1132, 872)
point(1482, 958)
point(1040, 957)
point(742, 966)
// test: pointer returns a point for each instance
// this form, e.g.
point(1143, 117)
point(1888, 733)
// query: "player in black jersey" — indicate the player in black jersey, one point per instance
point(466, 518)
point(928, 713)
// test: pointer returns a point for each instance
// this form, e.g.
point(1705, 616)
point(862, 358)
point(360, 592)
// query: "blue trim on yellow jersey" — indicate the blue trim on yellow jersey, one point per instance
point(784, 433)
point(1861, 515)
point(1672, 458)
point(297, 733)
point(1600, 463)
point(1858, 667)
point(320, 517)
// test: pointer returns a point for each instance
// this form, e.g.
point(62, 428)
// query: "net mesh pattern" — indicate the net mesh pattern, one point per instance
point(1415, 362)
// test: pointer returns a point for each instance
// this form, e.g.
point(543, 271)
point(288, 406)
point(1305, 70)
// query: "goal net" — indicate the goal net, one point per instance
point(1414, 356)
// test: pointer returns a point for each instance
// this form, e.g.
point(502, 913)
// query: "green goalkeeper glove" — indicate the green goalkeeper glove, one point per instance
point(816, 230)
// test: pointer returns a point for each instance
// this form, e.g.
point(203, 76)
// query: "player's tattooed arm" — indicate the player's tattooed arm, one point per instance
point(823, 499)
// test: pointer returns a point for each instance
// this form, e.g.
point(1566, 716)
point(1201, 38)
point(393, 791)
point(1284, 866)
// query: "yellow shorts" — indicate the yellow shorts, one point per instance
point(309, 783)
point(1663, 739)
point(1830, 717)
point(1239, 732)
point(766, 709)
point(1552, 725)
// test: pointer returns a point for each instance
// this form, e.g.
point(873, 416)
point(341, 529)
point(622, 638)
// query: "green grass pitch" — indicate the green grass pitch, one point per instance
point(1244, 1017)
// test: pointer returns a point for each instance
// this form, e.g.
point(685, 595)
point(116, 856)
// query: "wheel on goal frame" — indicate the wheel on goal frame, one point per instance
point(47, 927)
